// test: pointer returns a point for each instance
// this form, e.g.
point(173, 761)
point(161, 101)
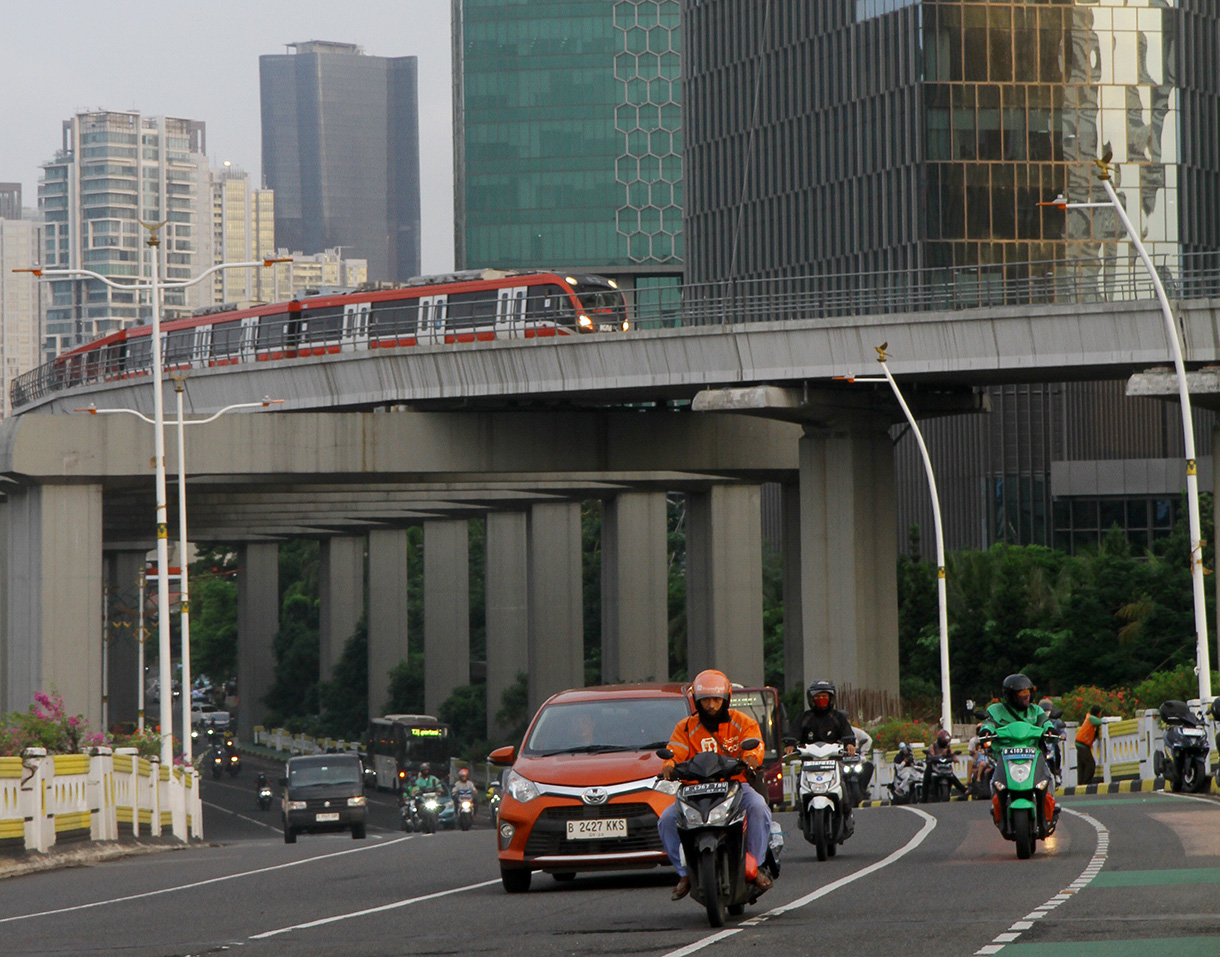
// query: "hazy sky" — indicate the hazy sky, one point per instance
point(200, 61)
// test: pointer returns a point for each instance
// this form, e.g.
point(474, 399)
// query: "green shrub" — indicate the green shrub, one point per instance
point(1181, 683)
point(1120, 702)
point(888, 732)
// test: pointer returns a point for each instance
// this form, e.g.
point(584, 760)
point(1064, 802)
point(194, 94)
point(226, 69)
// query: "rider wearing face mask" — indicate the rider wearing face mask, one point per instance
point(716, 727)
point(1016, 704)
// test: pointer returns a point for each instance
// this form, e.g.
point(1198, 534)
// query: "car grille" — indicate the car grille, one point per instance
point(549, 835)
point(320, 804)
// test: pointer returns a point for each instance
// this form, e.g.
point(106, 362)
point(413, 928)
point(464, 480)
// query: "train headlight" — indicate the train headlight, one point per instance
point(584, 321)
point(626, 325)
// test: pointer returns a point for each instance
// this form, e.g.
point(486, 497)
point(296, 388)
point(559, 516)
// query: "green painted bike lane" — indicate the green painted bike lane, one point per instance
point(1125, 910)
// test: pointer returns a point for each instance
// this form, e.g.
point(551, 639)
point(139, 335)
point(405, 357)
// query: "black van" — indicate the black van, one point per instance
point(323, 792)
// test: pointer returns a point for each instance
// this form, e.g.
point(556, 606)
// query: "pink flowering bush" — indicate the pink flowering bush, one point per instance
point(46, 725)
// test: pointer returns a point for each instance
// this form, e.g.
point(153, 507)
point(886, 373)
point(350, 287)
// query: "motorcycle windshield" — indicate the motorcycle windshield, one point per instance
point(1018, 734)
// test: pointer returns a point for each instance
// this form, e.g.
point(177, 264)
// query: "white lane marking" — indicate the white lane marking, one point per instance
point(373, 910)
point(1086, 876)
point(194, 884)
point(928, 825)
point(241, 816)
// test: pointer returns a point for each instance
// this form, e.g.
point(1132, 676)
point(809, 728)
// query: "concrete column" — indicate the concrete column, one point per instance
point(446, 609)
point(505, 601)
point(52, 616)
point(341, 598)
point(635, 592)
point(794, 643)
point(258, 621)
point(724, 582)
point(849, 578)
point(556, 604)
point(387, 611)
point(122, 577)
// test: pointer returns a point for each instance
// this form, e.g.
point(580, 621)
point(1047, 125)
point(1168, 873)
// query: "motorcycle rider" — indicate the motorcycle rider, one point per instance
point(425, 781)
point(940, 748)
point(464, 787)
point(823, 722)
point(716, 727)
point(261, 781)
point(1016, 704)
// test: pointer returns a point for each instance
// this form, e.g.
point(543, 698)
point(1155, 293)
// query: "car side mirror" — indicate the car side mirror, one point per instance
point(504, 755)
point(749, 744)
point(664, 753)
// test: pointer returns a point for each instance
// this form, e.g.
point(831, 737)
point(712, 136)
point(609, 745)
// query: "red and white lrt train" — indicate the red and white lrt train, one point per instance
point(465, 307)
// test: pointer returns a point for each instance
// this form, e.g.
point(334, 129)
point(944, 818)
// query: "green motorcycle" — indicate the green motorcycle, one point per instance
point(1022, 787)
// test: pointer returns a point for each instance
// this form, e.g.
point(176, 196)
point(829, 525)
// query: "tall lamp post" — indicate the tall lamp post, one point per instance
point(1202, 652)
point(946, 708)
point(154, 288)
point(184, 599)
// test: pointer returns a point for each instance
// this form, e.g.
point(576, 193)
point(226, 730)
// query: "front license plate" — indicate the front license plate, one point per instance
point(328, 816)
point(591, 830)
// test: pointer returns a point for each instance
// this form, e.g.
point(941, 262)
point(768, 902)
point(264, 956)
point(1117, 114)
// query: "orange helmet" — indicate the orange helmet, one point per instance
point(711, 684)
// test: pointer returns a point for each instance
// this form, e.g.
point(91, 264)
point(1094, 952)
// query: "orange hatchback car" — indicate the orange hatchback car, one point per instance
point(579, 795)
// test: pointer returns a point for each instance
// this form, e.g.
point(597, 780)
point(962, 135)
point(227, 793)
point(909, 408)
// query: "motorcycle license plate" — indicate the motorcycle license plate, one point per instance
point(592, 830)
point(324, 816)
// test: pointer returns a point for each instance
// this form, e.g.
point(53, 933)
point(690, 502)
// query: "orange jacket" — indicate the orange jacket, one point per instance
point(1087, 732)
point(690, 737)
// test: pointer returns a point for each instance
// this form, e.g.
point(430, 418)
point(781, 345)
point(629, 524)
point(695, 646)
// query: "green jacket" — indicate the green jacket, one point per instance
point(429, 783)
point(1000, 714)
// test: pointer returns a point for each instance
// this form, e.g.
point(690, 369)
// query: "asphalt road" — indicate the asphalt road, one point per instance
point(1125, 875)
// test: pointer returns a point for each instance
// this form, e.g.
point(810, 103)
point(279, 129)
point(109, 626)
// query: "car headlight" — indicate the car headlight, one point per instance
point(357, 801)
point(297, 805)
point(521, 789)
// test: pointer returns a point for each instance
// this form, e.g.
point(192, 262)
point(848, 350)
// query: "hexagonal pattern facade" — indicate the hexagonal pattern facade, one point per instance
point(649, 125)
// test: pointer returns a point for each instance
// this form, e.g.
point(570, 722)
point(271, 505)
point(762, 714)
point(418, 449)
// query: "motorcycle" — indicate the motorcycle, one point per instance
point(428, 808)
point(1215, 709)
point(822, 807)
point(465, 809)
point(712, 829)
point(1183, 762)
point(857, 772)
point(1023, 789)
point(907, 785)
point(1053, 744)
point(408, 812)
point(233, 764)
point(980, 787)
point(941, 779)
point(495, 794)
point(218, 764)
point(264, 797)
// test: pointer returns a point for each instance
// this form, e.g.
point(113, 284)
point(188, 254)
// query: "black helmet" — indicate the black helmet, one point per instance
point(425, 768)
point(1013, 684)
point(821, 687)
point(943, 737)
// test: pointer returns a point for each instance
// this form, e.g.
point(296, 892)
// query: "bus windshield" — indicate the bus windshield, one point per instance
point(761, 704)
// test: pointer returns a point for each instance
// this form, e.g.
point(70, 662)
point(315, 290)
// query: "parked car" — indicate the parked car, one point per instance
point(579, 795)
point(323, 792)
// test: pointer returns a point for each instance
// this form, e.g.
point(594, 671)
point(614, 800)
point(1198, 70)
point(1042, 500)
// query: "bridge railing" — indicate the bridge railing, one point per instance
point(1107, 279)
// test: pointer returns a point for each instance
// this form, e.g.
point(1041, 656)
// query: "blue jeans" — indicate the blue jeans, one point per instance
point(758, 829)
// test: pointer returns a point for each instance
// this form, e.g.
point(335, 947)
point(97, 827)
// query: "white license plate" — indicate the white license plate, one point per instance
point(592, 830)
point(327, 816)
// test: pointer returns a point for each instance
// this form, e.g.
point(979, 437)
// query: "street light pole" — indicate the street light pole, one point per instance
point(1202, 652)
point(946, 707)
point(154, 289)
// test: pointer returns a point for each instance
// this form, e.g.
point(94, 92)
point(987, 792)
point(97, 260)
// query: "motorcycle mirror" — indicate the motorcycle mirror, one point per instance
point(791, 741)
point(664, 753)
point(749, 744)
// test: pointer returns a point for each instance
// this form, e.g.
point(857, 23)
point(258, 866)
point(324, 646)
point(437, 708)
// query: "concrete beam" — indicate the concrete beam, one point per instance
point(341, 597)
point(446, 610)
point(724, 582)
point(556, 604)
point(122, 570)
point(506, 604)
point(635, 588)
point(258, 621)
point(387, 611)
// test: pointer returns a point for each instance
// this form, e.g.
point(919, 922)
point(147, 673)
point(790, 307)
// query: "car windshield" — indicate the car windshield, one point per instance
point(613, 724)
point(308, 775)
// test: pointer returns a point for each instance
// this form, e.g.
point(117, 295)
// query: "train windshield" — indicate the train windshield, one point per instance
point(601, 300)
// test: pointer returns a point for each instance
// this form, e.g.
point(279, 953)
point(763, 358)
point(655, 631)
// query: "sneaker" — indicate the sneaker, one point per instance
point(762, 882)
point(681, 889)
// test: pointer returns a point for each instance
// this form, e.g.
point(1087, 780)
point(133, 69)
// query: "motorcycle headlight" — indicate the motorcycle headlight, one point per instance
point(691, 815)
point(357, 801)
point(719, 815)
point(467, 805)
point(1020, 771)
point(521, 789)
point(431, 804)
point(297, 805)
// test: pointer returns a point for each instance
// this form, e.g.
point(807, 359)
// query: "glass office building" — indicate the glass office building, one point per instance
point(568, 136)
point(876, 140)
point(341, 151)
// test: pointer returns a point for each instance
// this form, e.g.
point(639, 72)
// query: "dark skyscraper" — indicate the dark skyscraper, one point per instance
point(870, 142)
point(341, 151)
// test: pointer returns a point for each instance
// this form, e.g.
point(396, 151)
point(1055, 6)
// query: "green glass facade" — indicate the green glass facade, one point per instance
point(568, 135)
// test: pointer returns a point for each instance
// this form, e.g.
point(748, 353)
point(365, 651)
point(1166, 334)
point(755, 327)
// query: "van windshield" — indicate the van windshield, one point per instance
point(618, 724)
point(308, 775)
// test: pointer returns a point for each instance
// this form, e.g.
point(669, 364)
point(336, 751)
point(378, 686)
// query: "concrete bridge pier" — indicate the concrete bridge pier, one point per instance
point(51, 582)
point(122, 571)
point(555, 600)
point(340, 599)
point(724, 582)
point(505, 601)
point(258, 620)
point(446, 609)
point(635, 594)
point(848, 597)
point(387, 611)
